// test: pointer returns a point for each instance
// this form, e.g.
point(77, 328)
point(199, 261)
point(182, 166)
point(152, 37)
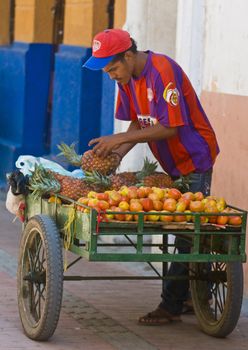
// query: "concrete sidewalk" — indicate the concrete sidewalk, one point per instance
point(101, 314)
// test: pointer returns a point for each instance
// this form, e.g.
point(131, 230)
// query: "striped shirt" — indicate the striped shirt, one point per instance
point(163, 94)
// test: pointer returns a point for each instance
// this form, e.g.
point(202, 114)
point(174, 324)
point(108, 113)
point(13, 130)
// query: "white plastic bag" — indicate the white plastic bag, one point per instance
point(27, 163)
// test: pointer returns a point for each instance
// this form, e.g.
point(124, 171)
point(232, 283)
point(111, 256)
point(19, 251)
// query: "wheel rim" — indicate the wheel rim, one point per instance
point(33, 277)
point(211, 289)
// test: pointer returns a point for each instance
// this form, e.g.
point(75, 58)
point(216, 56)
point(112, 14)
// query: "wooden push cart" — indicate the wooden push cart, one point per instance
point(214, 261)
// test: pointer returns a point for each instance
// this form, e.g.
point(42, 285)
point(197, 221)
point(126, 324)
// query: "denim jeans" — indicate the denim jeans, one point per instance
point(174, 293)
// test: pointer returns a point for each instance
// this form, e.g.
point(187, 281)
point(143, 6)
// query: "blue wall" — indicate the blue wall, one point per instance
point(82, 101)
point(24, 89)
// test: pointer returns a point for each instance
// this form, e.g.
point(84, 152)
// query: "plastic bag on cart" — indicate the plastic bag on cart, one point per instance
point(26, 164)
point(18, 181)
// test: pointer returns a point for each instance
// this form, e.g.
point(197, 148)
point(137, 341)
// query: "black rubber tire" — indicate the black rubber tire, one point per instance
point(40, 278)
point(220, 317)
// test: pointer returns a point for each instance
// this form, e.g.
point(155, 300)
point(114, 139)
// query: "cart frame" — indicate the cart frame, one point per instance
point(214, 259)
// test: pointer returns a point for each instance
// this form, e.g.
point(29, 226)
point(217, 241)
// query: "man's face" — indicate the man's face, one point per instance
point(121, 71)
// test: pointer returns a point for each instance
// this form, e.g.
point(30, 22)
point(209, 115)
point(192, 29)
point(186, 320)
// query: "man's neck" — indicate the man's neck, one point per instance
point(141, 58)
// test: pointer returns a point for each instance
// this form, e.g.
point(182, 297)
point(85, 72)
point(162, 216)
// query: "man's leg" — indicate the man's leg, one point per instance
point(174, 293)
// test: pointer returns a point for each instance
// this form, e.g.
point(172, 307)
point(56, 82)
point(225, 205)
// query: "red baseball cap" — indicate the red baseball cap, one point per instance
point(106, 45)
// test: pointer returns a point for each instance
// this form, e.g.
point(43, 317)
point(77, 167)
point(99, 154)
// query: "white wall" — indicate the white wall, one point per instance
point(152, 23)
point(226, 47)
point(190, 39)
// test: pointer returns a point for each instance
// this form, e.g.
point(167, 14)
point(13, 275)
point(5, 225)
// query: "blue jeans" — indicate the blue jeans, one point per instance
point(174, 293)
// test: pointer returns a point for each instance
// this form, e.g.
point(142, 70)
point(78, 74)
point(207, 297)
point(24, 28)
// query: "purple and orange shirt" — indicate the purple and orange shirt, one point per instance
point(163, 94)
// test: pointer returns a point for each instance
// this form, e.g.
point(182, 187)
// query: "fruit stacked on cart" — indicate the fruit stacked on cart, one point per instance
point(121, 196)
point(158, 204)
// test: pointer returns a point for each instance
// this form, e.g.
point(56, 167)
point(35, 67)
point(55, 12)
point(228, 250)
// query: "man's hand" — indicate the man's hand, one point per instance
point(106, 144)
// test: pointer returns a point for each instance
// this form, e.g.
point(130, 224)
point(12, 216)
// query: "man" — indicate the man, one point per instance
point(159, 100)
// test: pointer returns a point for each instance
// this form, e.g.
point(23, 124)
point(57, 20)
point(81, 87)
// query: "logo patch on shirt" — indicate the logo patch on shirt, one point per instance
point(146, 120)
point(96, 45)
point(150, 94)
point(171, 95)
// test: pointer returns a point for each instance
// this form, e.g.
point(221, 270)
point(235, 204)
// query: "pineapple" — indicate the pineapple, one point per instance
point(45, 181)
point(146, 177)
point(158, 179)
point(89, 161)
point(112, 182)
point(151, 178)
point(72, 187)
point(128, 178)
point(99, 181)
point(148, 169)
point(123, 179)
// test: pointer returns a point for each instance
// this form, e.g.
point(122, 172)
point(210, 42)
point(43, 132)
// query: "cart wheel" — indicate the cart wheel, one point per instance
point(40, 278)
point(217, 293)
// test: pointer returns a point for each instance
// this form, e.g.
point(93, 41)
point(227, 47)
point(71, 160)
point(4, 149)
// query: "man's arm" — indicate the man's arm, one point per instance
point(106, 144)
point(123, 149)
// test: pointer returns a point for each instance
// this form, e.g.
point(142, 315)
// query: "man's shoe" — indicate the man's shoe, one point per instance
point(158, 317)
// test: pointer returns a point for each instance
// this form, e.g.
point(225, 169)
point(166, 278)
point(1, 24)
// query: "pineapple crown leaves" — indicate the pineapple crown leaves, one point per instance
point(69, 153)
point(183, 183)
point(42, 182)
point(96, 178)
point(148, 169)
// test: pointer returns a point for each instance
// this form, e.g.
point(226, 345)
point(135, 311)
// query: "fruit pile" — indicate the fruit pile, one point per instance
point(47, 182)
point(125, 203)
point(120, 196)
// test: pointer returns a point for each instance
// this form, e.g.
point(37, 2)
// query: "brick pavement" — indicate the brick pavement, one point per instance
point(101, 314)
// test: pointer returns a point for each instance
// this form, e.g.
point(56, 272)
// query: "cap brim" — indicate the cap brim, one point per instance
point(96, 63)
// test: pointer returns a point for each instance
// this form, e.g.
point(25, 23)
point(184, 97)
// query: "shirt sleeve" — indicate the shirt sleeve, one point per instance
point(170, 108)
point(124, 107)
